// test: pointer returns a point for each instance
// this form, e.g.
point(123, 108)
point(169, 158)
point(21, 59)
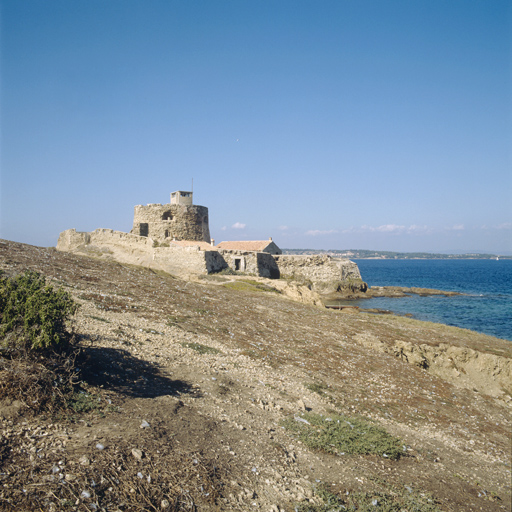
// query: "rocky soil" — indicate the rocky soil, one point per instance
point(192, 382)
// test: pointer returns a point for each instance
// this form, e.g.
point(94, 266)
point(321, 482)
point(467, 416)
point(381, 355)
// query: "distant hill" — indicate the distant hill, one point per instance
point(365, 254)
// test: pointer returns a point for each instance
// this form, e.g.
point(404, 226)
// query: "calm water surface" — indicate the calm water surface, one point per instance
point(486, 307)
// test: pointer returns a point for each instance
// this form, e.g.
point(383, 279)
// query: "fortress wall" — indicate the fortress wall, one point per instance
point(214, 262)
point(267, 266)
point(172, 221)
point(185, 260)
point(349, 269)
point(327, 274)
point(138, 250)
point(71, 239)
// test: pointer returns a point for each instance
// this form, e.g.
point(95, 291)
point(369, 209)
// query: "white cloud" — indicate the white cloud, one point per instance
point(385, 228)
point(283, 228)
point(417, 230)
point(392, 229)
point(456, 227)
point(223, 228)
point(238, 225)
point(505, 225)
point(315, 232)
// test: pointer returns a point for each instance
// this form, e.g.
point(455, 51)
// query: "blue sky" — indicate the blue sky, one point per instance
point(334, 124)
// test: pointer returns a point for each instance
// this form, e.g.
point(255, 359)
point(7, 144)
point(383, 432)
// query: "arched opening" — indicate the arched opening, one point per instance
point(167, 216)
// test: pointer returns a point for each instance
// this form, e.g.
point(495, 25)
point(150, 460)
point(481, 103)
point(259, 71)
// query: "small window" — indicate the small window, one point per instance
point(167, 216)
point(238, 262)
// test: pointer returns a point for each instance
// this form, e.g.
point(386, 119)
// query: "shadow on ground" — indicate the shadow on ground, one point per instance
point(119, 371)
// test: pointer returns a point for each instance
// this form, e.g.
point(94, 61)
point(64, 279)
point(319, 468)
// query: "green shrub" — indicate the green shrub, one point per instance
point(83, 402)
point(202, 349)
point(343, 435)
point(156, 243)
point(317, 387)
point(227, 272)
point(250, 285)
point(33, 314)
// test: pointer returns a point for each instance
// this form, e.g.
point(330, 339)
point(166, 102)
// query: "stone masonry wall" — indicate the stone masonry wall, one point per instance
point(138, 250)
point(171, 221)
point(259, 263)
point(327, 274)
point(324, 273)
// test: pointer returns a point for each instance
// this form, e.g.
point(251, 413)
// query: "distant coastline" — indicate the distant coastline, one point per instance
point(371, 255)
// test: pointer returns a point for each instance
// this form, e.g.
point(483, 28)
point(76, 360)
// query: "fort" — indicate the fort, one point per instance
point(179, 220)
point(175, 238)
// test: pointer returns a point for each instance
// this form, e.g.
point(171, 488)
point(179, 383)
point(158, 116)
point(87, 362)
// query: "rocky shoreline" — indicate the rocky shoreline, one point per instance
point(387, 291)
point(403, 291)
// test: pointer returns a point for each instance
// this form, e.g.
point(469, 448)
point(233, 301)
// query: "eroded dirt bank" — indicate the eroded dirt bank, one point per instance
point(200, 377)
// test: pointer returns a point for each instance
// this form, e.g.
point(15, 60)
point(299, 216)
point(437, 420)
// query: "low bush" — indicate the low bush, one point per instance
point(317, 387)
point(202, 349)
point(37, 357)
point(227, 272)
point(33, 314)
point(250, 285)
point(342, 435)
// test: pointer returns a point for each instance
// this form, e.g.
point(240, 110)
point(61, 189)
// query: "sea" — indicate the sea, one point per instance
point(485, 307)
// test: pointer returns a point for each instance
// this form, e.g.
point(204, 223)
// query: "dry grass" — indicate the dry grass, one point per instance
point(110, 479)
point(41, 385)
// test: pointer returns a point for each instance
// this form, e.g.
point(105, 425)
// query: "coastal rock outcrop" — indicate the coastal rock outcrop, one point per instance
point(403, 291)
point(464, 367)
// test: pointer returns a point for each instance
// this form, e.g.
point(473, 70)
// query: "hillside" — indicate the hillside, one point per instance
point(193, 384)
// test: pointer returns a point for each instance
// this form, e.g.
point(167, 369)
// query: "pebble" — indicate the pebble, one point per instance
point(137, 453)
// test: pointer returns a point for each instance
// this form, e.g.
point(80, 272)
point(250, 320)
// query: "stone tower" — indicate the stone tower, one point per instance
point(179, 220)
